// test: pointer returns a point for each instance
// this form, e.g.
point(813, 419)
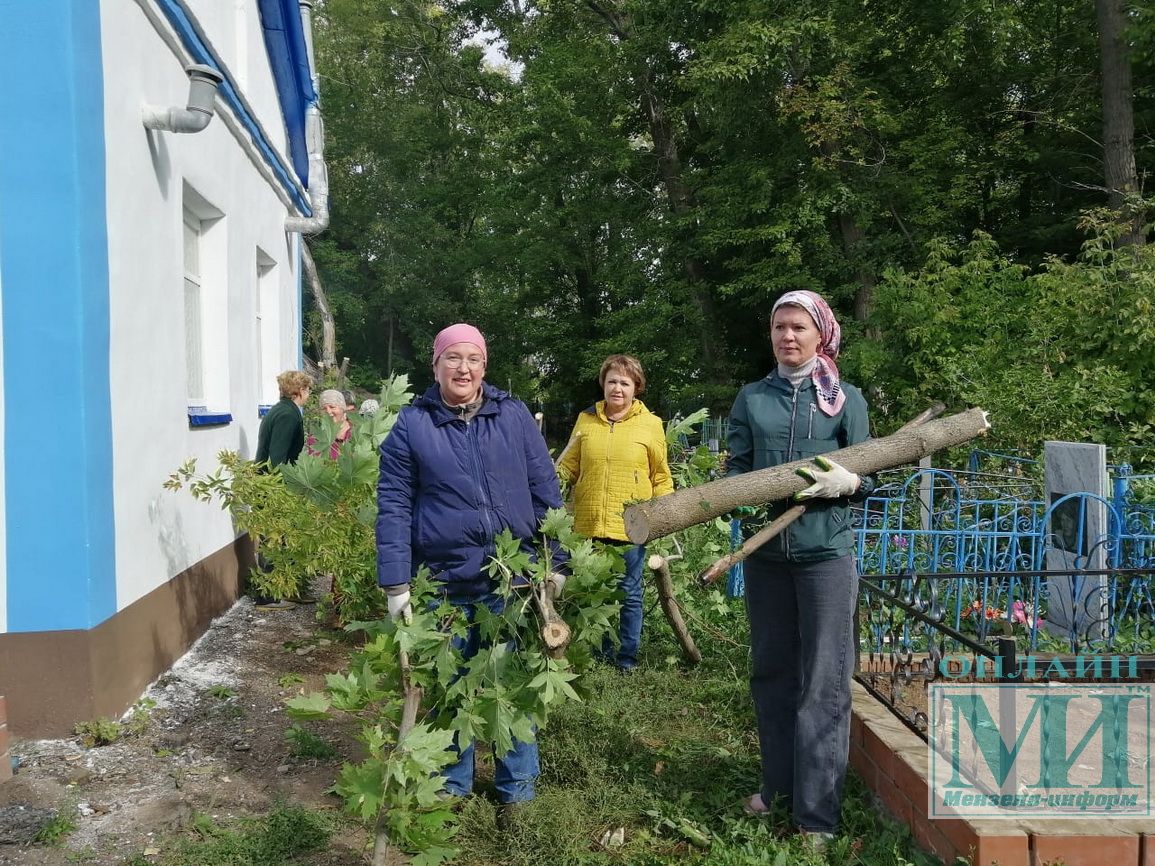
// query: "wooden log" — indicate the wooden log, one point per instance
point(689, 506)
point(784, 520)
point(775, 527)
point(665, 586)
point(555, 631)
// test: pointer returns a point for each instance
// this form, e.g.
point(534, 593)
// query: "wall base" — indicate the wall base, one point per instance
point(52, 680)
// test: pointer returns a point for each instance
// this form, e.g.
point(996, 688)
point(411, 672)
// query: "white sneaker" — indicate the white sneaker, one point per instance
point(817, 840)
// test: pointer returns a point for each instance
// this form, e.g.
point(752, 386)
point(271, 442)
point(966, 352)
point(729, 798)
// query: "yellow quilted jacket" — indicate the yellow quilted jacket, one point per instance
point(612, 463)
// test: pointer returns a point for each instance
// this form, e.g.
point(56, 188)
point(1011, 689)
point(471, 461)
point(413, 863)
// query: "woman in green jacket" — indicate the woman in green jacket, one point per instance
point(617, 454)
point(802, 587)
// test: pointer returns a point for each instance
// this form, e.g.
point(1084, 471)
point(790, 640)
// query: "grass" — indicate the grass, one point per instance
point(287, 832)
point(668, 754)
point(62, 825)
point(303, 743)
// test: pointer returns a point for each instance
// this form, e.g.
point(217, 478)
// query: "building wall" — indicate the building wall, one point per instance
point(105, 577)
point(152, 178)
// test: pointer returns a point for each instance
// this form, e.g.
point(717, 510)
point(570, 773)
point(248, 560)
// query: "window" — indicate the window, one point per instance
point(193, 338)
point(267, 330)
point(206, 343)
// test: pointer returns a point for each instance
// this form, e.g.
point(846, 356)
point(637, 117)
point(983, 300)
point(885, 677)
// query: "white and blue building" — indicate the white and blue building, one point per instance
point(149, 295)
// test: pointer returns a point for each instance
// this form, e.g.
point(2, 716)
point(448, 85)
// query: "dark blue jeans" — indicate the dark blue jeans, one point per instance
point(516, 771)
point(802, 647)
point(630, 625)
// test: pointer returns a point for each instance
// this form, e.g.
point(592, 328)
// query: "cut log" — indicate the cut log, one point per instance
point(665, 586)
point(692, 505)
point(555, 631)
point(778, 526)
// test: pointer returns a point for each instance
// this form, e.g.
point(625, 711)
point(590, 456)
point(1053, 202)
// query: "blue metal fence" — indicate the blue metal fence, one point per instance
point(1018, 564)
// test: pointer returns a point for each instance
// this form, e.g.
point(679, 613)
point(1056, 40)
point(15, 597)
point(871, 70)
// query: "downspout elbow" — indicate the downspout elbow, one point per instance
point(318, 178)
point(203, 84)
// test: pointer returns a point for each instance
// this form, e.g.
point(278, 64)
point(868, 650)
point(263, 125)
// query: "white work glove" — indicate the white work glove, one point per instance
point(554, 584)
point(827, 480)
point(399, 606)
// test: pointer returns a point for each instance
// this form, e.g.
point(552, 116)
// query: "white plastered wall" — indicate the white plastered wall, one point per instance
point(159, 533)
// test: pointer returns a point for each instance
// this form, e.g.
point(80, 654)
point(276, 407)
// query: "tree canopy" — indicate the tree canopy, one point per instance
point(581, 177)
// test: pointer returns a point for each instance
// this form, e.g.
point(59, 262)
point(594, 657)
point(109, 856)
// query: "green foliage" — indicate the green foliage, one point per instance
point(139, 718)
point(505, 692)
point(303, 743)
point(1060, 353)
point(220, 692)
point(287, 832)
point(98, 732)
point(62, 825)
point(315, 516)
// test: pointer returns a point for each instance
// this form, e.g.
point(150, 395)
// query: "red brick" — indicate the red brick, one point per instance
point(1086, 850)
point(990, 841)
point(931, 839)
point(911, 781)
point(878, 751)
point(896, 802)
point(1147, 850)
point(855, 731)
point(865, 768)
point(1002, 851)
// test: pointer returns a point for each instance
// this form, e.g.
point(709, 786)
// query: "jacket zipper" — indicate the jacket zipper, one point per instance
point(810, 426)
point(606, 474)
point(789, 457)
point(482, 489)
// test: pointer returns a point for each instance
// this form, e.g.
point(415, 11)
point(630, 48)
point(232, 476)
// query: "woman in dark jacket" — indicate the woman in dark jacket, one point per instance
point(801, 587)
point(462, 463)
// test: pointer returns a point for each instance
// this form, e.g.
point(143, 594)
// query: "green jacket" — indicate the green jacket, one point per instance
point(771, 424)
point(282, 434)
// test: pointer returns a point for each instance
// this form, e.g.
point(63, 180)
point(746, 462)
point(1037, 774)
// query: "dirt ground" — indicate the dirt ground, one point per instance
point(214, 745)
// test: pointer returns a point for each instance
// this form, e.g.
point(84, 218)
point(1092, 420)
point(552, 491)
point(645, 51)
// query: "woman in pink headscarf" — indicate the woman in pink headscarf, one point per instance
point(802, 587)
point(462, 464)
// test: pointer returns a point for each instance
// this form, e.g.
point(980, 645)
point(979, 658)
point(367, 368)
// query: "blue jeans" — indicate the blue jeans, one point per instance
point(630, 625)
point(516, 771)
point(802, 646)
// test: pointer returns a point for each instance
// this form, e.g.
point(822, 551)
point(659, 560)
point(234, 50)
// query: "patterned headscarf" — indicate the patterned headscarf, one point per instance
point(825, 375)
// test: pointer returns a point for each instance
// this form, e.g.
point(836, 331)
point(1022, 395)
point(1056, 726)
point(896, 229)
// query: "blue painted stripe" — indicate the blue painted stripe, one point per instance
point(54, 259)
point(188, 34)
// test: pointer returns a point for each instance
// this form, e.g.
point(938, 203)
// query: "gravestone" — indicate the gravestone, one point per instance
point(1076, 538)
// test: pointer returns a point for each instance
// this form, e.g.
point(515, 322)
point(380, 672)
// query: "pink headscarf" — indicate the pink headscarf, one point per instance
point(459, 333)
point(825, 375)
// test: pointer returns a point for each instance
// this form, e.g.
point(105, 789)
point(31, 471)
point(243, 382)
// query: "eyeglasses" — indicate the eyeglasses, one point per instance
point(454, 362)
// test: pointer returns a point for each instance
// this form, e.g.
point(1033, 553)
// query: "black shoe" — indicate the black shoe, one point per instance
point(267, 602)
point(509, 815)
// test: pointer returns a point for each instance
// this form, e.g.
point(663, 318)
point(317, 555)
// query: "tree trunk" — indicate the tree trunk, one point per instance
point(693, 505)
point(665, 586)
point(1118, 119)
point(328, 328)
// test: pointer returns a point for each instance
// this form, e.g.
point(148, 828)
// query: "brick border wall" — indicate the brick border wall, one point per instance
point(893, 763)
point(5, 751)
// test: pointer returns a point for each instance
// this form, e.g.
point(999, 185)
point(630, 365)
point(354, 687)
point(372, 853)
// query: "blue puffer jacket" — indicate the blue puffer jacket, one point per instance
point(447, 488)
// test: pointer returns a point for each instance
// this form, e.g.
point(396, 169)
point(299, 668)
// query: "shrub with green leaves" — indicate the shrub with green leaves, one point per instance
point(313, 517)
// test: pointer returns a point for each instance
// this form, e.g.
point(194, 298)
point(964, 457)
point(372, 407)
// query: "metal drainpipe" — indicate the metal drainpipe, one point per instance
point(315, 142)
point(202, 88)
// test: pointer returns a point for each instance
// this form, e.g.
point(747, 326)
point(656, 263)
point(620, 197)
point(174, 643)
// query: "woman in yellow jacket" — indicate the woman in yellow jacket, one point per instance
point(617, 454)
